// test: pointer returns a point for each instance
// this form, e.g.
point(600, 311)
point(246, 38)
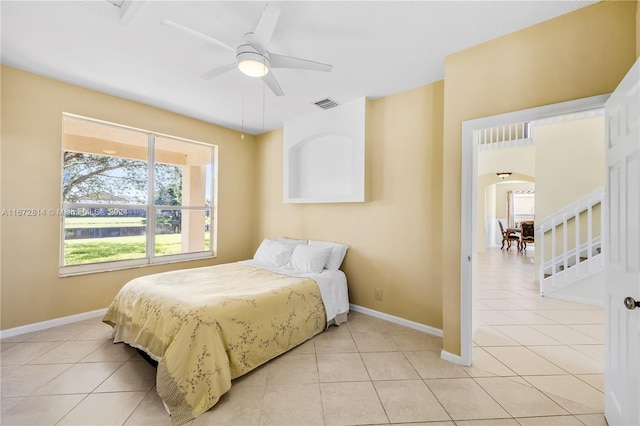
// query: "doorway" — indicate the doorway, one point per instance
point(469, 202)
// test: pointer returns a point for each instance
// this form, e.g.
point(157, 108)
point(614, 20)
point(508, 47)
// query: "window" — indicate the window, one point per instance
point(523, 207)
point(131, 197)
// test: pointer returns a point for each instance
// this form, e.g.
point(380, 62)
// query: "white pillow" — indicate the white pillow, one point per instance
point(338, 252)
point(309, 259)
point(290, 241)
point(273, 253)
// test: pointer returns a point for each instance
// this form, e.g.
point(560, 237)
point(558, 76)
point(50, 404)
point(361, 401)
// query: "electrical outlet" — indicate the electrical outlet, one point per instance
point(378, 294)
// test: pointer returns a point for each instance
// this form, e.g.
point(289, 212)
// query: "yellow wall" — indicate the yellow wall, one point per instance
point(32, 108)
point(395, 236)
point(570, 152)
point(582, 141)
point(580, 54)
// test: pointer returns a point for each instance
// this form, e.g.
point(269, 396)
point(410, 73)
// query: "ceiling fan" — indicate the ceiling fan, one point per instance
point(252, 56)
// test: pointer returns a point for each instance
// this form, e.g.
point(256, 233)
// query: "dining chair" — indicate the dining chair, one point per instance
point(508, 235)
point(526, 234)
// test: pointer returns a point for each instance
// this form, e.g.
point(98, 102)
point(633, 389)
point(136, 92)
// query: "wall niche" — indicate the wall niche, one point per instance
point(324, 156)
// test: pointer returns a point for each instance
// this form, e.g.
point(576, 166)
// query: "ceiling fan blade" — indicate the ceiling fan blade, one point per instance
point(198, 34)
point(282, 61)
point(218, 71)
point(270, 80)
point(266, 25)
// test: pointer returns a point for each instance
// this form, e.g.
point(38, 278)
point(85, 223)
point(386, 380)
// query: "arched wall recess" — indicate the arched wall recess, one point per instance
point(324, 156)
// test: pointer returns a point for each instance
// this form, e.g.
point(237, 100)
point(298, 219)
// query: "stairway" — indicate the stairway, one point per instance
point(571, 243)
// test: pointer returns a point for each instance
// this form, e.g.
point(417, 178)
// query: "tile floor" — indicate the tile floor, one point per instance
point(536, 362)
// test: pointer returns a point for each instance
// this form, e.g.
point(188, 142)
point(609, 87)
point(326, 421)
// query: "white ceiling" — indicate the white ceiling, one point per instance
point(376, 48)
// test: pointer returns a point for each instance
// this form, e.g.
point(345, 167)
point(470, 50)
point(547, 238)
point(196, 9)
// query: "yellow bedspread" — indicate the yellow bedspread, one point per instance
point(207, 326)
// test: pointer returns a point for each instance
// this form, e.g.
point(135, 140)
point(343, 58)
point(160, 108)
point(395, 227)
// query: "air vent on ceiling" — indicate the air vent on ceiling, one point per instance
point(326, 103)
point(121, 11)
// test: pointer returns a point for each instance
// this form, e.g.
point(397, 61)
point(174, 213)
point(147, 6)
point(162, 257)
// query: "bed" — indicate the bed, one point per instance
point(207, 326)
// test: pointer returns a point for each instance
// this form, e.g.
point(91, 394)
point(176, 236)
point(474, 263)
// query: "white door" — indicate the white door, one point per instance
point(622, 252)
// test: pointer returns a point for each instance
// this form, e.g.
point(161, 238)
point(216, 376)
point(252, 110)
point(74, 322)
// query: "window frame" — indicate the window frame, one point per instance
point(150, 257)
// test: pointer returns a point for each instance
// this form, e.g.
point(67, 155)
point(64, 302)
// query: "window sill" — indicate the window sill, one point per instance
point(95, 268)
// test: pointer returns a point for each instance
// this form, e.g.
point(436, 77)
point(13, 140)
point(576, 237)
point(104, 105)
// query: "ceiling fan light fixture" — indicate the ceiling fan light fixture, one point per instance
point(253, 68)
point(251, 62)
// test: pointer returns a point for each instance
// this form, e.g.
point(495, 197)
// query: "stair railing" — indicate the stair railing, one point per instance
point(584, 259)
point(504, 136)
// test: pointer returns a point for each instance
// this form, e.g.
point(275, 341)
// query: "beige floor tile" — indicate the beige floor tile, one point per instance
point(79, 378)
point(488, 422)
point(478, 305)
point(371, 341)
point(528, 317)
point(524, 361)
point(239, 406)
point(486, 365)
point(104, 409)
point(464, 399)
point(25, 379)
point(351, 403)
point(388, 366)
point(293, 369)
point(150, 412)
point(596, 331)
point(569, 359)
point(593, 351)
point(292, 404)
point(592, 419)
point(409, 401)
point(430, 365)
point(498, 304)
point(360, 322)
point(6, 345)
point(133, 375)
point(343, 367)
point(489, 336)
point(99, 331)
point(307, 347)
point(595, 380)
point(574, 395)
point(257, 377)
point(22, 353)
point(59, 334)
point(519, 400)
point(108, 351)
point(550, 421)
point(335, 340)
point(526, 335)
point(575, 316)
point(495, 294)
point(37, 410)
point(565, 334)
point(494, 318)
point(414, 340)
point(67, 352)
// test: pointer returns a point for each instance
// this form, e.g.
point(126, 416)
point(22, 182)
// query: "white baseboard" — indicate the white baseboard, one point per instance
point(448, 356)
point(397, 320)
point(39, 326)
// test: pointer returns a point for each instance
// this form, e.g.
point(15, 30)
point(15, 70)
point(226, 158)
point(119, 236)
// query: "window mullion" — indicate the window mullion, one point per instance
point(151, 211)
